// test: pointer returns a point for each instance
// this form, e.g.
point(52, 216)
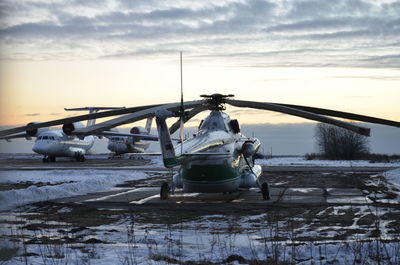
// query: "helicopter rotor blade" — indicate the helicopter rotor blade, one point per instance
point(174, 127)
point(341, 114)
point(84, 117)
point(124, 119)
point(132, 117)
point(298, 113)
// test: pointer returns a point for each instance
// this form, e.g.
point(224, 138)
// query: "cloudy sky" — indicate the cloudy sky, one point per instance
point(335, 54)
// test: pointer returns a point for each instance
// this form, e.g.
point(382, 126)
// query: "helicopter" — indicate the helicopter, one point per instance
point(218, 158)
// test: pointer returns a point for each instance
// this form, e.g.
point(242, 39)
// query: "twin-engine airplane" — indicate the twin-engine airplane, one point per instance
point(120, 143)
point(218, 158)
point(52, 143)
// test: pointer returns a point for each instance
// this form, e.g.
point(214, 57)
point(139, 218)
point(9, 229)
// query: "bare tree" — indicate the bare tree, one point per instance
point(338, 143)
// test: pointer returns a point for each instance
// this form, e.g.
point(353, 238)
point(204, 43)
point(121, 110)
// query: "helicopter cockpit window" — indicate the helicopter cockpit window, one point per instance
point(235, 127)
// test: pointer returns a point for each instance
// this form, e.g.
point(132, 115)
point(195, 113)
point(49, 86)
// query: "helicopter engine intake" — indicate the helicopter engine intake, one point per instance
point(250, 148)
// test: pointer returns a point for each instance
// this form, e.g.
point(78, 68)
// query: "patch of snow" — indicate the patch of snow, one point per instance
point(301, 161)
point(73, 182)
point(393, 176)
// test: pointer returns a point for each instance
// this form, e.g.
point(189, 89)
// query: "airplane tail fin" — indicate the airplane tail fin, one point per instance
point(92, 110)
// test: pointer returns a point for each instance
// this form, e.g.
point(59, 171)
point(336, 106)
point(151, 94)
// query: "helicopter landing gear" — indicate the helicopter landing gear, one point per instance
point(265, 191)
point(164, 191)
point(79, 157)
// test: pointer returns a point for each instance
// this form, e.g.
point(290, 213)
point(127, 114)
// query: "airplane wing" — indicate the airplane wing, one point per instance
point(148, 137)
point(15, 136)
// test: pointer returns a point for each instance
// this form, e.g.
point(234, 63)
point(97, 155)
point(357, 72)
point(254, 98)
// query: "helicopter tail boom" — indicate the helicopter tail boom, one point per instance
point(167, 148)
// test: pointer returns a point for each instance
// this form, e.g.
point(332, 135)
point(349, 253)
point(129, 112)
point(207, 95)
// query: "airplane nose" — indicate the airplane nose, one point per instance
point(37, 148)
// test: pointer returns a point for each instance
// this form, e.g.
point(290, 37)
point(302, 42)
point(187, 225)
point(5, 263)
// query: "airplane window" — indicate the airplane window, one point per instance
point(45, 137)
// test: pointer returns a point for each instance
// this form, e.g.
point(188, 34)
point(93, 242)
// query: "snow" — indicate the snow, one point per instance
point(211, 237)
point(393, 176)
point(301, 161)
point(64, 183)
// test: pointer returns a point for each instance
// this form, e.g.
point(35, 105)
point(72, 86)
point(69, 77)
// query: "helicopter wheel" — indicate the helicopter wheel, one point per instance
point(265, 191)
point(79, 157)
point(164, 191)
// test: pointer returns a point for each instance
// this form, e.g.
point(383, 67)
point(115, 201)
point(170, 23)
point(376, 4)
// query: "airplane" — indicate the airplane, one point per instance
point(218, 158)
point(52, 143)
point(119, 143)
point(123, 143)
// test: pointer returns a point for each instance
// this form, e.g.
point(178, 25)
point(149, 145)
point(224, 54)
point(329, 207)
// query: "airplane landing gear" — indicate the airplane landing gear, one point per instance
point(164, 191)
point(265, 191)
point(47, 159)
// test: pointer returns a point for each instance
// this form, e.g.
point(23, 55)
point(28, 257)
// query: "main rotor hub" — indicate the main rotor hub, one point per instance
point(216, 101)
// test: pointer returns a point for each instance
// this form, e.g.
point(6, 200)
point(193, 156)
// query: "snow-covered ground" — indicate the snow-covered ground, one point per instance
point(63, 183)
point(52, 184)
point(306, 237)
point(393, 176)
point(301, 161)
point(215, 238)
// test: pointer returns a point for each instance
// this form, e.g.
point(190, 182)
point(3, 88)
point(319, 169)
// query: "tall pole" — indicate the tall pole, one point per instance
point(181, 133)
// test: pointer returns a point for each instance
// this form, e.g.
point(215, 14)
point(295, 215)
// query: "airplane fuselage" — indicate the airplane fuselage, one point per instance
point(55, 143)
point(123, 144)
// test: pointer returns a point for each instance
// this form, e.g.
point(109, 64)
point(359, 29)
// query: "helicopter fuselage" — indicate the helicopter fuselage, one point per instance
point(214, 159)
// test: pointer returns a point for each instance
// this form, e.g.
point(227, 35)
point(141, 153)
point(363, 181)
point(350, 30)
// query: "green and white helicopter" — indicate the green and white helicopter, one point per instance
point(218, 158)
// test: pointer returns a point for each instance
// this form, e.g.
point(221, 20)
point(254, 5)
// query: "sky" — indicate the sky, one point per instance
point(340, 54)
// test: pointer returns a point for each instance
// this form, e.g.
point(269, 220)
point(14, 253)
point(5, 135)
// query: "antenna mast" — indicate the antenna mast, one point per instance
point(181, 133)
point(181, 83)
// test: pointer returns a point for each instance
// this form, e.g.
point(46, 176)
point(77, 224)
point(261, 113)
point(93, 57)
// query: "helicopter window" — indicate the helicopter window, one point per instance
point(234, 124)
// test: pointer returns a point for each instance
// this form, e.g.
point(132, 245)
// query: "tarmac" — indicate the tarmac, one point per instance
point(144, 197)
point(302, 186)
